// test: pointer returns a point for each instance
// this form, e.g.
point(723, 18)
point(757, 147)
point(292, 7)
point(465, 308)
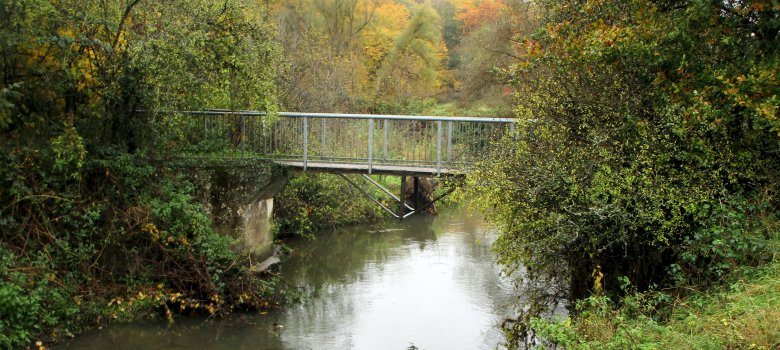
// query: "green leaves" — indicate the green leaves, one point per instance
point(650, 127)
point(69, 152)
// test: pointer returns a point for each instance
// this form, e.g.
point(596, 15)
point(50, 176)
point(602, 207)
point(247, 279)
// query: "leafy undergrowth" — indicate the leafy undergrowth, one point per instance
point(744, 314)
point(123, 240)
point(313, 202)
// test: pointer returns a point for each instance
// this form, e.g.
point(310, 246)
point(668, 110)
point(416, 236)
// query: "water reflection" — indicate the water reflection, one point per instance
point(424, 281)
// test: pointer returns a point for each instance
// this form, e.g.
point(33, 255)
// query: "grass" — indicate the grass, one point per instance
point(742, 315)
point(747, 316)
point(478, 109)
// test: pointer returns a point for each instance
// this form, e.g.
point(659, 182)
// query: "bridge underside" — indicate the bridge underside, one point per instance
point(403, 208)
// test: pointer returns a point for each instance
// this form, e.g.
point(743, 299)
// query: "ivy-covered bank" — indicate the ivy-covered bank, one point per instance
point(95, 223)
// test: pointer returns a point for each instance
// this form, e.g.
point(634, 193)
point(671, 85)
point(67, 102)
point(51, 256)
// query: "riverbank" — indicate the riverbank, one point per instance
point(741, 314)
point(126, 239)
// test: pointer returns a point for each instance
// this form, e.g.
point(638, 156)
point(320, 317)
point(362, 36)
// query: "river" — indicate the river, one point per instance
point(428, 282)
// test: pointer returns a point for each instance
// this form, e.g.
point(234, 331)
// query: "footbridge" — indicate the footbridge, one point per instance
point(364, 144)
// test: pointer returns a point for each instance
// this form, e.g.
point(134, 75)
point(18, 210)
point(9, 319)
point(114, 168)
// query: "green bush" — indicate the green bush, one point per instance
point(646, 147)
point(32, 300)
point(312, 202)
point(734, 235)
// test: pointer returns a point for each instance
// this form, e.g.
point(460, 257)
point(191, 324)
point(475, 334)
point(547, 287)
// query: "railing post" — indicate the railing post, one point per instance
point(438, 147)
point(305, 142)
point(449, 142)
point(322, 142)
point(384, 141)
point(264, 150)
point(243, 135)
point(370, 144)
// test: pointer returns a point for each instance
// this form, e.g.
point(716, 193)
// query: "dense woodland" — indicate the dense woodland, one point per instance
point(641, 184)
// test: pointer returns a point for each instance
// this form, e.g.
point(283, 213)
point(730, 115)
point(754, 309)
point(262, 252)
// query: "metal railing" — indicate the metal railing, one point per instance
point(431, 142)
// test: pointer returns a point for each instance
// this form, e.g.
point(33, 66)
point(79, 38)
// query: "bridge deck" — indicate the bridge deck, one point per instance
point(379, 169)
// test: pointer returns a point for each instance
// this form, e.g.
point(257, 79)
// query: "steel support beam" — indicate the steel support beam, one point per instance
point(372, 198)
point(370, 180)
point(429, 204)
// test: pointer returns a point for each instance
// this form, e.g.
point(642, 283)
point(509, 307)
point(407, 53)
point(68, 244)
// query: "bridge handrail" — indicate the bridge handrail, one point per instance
point(442, 142)
point(353, 116)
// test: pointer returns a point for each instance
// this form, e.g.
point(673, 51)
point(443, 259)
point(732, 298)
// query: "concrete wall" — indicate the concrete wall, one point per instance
point(239, 200)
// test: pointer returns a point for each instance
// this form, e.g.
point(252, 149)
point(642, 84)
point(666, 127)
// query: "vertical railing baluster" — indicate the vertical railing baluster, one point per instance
point(305, 142)
point(449, 142)
point(438, 148)
point(322, 142)
point(243, 136)
point(384, 141)
point(336, 128)
point(370, 145)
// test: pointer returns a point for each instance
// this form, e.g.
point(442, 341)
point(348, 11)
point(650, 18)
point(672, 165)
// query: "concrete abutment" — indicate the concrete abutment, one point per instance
point(239, 200)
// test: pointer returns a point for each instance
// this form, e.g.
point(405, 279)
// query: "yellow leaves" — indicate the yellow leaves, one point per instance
point(475, 15)
point(753, 92)
point(759, 6)
point(392, 18)
point(152, 230)
point(377, 40)
point(83, 69)
point(39, 344)
point(598, 277)
point(243, 297)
